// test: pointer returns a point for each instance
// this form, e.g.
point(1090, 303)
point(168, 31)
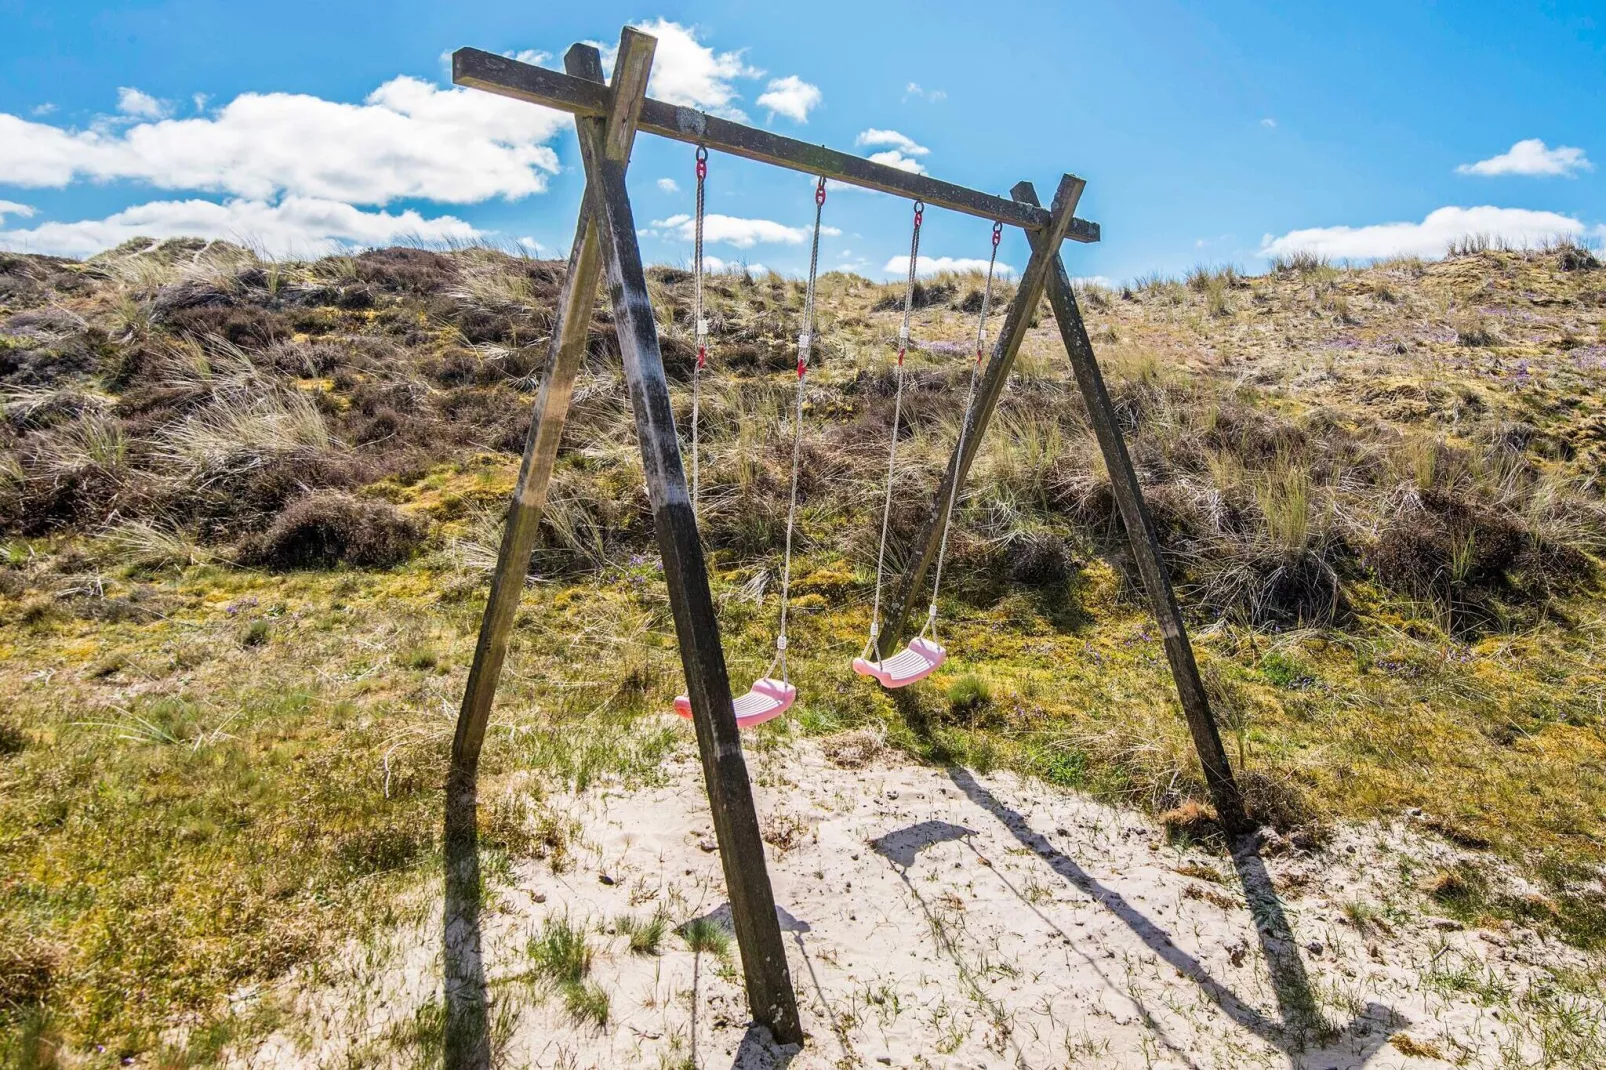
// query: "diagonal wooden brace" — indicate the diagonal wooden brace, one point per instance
point(1017, 319)
point(730, 793)
point(1145, 543)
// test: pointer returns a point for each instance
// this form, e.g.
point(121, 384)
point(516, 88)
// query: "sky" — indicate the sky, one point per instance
point(1214, 133)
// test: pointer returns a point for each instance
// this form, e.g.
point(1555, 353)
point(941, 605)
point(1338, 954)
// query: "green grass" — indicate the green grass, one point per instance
point(562, 956)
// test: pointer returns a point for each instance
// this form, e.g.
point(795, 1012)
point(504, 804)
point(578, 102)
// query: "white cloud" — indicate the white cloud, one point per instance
point(932, 95)
point(1429, 238)
point(689, 73)
point(297, 226)
point(669, 185)
point(534, 246)
point(894, 158)
point(1269, 123)
point(1532, 157)
point(714, 264)
point(44, 109)
point(731, 230)
point(140, 105)
point(790, 96)
point(1094, 280)
point(532, 56)
point(932, 265)
point(410, 138)
point(13, 208)
point(903, 143)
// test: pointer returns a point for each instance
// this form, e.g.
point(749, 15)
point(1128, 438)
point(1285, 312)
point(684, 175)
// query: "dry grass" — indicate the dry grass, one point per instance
point(1387, 541)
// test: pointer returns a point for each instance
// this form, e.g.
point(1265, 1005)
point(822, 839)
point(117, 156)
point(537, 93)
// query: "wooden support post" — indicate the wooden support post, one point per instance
point(730, 794)
point(1145, 543)
point(465, 1033)
point(1017, 319)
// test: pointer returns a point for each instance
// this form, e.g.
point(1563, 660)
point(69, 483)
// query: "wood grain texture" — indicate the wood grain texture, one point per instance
point(730, 794)
point(538, 85)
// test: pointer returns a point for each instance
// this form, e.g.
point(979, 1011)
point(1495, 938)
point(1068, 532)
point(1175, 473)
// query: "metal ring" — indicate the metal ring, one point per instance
point(702, 153)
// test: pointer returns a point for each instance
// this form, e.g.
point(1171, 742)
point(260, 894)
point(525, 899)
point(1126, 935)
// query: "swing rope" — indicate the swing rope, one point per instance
point(964, 430)
point(701, 323)
point(897, 412)
point(805, 345)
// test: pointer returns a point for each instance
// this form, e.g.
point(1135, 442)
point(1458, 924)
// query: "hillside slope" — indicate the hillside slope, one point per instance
point(249, 510)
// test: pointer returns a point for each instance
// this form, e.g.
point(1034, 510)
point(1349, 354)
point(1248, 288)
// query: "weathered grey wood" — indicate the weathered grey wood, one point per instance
point(730, 794)
point(1017, 318)
point(1145, 543)
point(466, 1038)
point(538, 85)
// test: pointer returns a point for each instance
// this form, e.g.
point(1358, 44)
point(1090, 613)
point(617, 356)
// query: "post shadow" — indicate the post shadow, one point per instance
point(902, 846)
point(1300, 1019)
point(467, 1040)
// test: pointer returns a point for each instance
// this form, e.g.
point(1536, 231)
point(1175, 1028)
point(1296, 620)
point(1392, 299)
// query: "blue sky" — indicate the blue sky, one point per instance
point(1207, 133)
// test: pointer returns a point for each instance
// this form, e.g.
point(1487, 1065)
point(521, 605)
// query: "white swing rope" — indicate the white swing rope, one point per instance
point(700, 322)
point(897, 412)
point(964, 430)
point(805, 345)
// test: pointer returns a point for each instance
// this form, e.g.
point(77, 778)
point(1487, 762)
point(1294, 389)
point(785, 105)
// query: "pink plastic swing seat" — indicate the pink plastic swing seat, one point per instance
point(768, 699)
point(913, 663)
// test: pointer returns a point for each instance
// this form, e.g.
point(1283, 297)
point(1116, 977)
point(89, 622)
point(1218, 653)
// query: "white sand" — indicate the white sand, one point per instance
point(951, 920)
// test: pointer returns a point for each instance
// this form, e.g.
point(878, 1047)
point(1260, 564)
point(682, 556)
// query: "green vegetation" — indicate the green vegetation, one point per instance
point(249, 510)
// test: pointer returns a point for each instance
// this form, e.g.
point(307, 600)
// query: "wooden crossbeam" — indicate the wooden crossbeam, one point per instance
point(1017, 319)
point(553, 89)
point(730, 793)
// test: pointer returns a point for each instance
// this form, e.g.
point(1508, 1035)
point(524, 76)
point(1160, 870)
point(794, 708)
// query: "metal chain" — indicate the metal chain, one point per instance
point(805, 345)
point(897, 413)
point(964, 431)
point(700, 324)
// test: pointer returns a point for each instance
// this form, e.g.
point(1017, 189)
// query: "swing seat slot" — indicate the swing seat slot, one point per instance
point(768, 699)
point(913, 663)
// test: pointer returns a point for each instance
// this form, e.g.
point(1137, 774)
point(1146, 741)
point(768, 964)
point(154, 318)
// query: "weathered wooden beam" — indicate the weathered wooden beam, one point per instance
point(1017, 319)
point(1145, 543)
point(466, 1037)
point(730, 793)
point(553, 89)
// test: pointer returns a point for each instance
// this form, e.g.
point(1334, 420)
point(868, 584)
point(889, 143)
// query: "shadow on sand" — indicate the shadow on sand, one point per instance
point(467, 1040)
point(1300, 1026)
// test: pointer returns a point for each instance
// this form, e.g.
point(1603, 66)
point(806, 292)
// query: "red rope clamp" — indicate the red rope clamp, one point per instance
point(702, 356)
point(998, 233)
point(702, 162)
point(920, 212)
point(819, 191)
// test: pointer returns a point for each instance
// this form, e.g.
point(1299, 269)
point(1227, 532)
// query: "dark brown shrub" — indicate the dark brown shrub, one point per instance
point(247, 326)
point(325, 530)
point(398, 269)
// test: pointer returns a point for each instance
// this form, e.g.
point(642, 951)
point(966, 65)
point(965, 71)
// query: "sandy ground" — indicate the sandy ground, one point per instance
point(948, 919)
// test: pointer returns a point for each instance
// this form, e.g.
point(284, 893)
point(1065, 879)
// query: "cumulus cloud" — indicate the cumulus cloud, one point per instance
point(296, 226)
point(716, 265)
point(409, 138)
point(732, 230)
point(933, 265)
point(1532, 157)
point(13, 208)
point(894, 158)
point(689, 73)
point(140, 105)
point(1432, 236)
point(913, 89)
point(901, 154)
point(790, 96)
point(901, 142)
point(669, 185)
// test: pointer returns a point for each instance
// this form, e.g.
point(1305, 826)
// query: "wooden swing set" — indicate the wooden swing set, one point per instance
point(608, 116)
